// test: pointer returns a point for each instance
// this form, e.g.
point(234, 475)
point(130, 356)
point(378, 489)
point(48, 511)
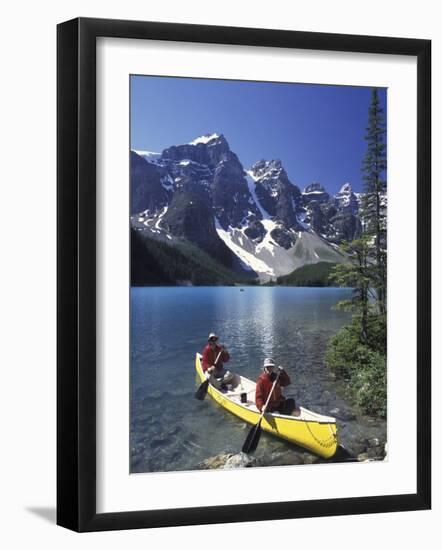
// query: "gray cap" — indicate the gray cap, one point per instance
point(212, 335)
point(268, 362)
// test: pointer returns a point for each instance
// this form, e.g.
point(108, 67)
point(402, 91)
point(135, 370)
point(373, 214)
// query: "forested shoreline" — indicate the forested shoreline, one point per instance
point(357, 354)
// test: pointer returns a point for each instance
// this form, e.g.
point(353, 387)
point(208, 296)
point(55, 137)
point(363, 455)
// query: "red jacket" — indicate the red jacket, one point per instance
point(209, 357)
point(263, 387)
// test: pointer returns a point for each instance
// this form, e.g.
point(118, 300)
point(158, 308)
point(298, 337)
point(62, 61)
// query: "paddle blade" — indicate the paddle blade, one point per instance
point(202, 390)
point(252, 440)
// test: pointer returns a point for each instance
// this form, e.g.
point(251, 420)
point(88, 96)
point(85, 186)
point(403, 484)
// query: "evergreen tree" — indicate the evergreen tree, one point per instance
point(373, 206)
point(357, 353)
point(359, 275)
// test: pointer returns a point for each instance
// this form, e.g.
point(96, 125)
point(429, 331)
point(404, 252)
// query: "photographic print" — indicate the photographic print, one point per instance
point(258, 299)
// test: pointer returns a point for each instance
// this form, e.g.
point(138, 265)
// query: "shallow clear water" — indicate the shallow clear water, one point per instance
point(170, 430)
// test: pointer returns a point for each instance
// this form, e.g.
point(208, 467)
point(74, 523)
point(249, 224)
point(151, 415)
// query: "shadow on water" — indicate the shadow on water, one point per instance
point(343, 455)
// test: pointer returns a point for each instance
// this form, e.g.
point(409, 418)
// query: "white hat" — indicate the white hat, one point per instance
point(212, 335)
point(268, 362)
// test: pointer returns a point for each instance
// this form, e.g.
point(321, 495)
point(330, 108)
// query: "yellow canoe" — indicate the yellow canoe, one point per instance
point(310, 430)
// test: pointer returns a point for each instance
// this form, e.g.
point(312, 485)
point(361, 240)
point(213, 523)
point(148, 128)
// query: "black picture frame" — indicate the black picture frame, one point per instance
point(76, 273)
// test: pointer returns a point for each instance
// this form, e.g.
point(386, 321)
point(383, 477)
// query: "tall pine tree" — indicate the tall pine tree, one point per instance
point(374, 212)
point(358, 273)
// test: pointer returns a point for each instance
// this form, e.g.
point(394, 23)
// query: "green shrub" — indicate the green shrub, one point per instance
point(341, 352)
point(362, 365)
point(370, 384)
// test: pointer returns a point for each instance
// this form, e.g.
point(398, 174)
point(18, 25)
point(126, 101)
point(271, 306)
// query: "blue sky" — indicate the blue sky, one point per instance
point(317, 131)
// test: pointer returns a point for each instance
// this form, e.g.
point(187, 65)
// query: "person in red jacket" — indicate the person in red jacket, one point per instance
point(277, 403)
point(214, 357)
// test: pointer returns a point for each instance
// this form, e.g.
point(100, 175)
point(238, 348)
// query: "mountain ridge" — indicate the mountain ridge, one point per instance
point(254, 222)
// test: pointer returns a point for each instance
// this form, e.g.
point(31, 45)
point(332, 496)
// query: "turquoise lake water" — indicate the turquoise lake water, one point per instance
point(170, 430)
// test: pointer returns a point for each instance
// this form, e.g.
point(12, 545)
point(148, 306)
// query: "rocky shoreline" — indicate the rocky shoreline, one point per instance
point(368, 450)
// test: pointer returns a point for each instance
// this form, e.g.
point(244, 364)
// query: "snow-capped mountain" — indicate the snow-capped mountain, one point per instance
point(252, 221)
point(315, 192)
point(346, 200)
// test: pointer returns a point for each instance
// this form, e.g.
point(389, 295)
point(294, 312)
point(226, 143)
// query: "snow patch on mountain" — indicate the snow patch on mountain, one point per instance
point(267, 169)
point(150, 156)
point(247, 257)
point(204, 139)
point(267, 242)
point(345, 195)
point(252, 189)
point(157, 224)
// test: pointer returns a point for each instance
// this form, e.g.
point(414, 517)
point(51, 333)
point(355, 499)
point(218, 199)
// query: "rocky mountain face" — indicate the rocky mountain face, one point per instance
point(334, 218)
point(254, 221)
point(278, 198)
point(147, 189)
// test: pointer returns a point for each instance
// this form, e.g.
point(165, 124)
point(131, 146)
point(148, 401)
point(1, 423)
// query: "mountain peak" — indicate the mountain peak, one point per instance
point(346, 199)
point(208, 150)
point(206, 138)
point(314, 187)
point(345, 189)
point(150, 156)
point(266, 168)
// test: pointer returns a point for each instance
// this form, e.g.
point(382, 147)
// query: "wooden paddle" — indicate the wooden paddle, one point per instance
point(202, 390)
point(252, 440)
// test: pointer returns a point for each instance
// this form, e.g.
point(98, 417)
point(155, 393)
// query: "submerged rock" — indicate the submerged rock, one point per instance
point(376, 453)
point(214, 462)
point(358, 447)
point(240, 460)
point(342, 414)
point(228, 461)
point(326, 397)
point(308, 458)
point(160, 442)
point(283, 459)
point(375, 449)
point(363, 457)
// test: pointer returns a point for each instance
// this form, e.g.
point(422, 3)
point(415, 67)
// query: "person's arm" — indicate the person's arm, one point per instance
point(206, 362)
point(284, 378)
point(260, 398)
point(225, 356)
